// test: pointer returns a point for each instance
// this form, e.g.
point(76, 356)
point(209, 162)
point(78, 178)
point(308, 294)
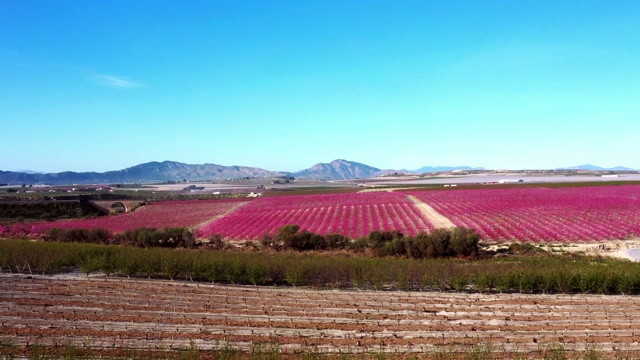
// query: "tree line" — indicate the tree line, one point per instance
point(521, 274)
point(440, 243)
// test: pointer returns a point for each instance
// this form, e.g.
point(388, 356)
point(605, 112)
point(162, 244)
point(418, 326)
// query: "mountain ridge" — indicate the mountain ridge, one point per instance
point(153, 171)
point(428, 169)
point(339, 169)
point(597, 168)
point(161, 171)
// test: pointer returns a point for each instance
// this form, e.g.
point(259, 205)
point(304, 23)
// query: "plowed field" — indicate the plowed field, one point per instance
point(116, 312)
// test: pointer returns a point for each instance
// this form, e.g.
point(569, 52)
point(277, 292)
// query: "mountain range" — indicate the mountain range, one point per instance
point(175, 171)
point(430, 169)
point(597, 168)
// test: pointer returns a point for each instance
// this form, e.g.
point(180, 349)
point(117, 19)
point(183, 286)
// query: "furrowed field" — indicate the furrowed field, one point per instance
point(128, 316)
point(208, 301)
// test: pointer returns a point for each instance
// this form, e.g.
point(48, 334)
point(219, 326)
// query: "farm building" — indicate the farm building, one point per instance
point(510, 181)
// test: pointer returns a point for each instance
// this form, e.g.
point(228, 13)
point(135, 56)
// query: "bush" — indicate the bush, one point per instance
point(213, 270)
point(464, 241)
point(336, 241)
point(257, 273)
point(285, 235)
point(296, 274)
point(94, 236)
point(152, 265)
point(129, 264)
point(171, 268)
point(235, 271)
point(151, 237)
point(359, 244)
point(194, 268)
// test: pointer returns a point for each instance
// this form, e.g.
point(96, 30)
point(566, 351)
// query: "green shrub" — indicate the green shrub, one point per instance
point(171, 267)
point(107, 263)
point(484, 281)
point(460, 282)
point(130, 263)
point(213, 269)
point(336, 241)
point(152, 264)
point(95, 236)
point(235, 271)
point(527, 281)
point(296, 274)
point(257, 273)
point(464, 241)
point(151, 237)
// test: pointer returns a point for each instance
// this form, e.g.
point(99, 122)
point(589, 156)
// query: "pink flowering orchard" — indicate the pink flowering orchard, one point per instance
point(543, 214)
point(353, 215)
point(567, 214)
point(189, 213)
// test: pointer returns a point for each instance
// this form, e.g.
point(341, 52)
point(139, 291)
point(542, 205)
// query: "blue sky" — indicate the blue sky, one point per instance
point(282, 85)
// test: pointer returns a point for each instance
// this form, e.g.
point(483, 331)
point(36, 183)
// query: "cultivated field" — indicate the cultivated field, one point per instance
point(159, 215)
point(542, 214)
point(526, 214)
point(112, 313)
point(353, 215)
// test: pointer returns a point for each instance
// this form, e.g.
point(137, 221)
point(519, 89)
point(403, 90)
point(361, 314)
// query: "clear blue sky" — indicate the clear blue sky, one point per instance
point(90, 85)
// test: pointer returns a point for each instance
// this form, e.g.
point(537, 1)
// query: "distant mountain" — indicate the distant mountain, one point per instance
point(30, 172)
point(429, 169)
point(597, 168)
point(148, 172)
point(175, 171)
point(338, 170)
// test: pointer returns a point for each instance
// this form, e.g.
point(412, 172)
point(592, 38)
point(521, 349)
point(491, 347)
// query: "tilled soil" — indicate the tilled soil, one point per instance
point(142, 314)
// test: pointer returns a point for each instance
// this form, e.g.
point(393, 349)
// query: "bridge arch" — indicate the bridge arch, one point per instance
point(118, 207)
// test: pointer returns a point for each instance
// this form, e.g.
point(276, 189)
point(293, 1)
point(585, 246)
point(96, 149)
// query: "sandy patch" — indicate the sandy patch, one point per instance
point(621, 249)
point(437, 219)
point(626, 249)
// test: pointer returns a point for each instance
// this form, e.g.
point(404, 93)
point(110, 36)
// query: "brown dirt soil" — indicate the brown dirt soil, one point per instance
point(113, 313)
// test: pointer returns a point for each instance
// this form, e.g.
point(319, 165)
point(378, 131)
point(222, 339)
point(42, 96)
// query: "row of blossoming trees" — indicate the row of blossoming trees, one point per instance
point(523, 214)
point(353, 215)
point(543, 214)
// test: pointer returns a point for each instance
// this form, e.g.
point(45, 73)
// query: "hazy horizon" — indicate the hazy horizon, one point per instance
point(282, 85)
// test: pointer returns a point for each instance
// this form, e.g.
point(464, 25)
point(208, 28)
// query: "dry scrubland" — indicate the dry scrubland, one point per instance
point(115, 313)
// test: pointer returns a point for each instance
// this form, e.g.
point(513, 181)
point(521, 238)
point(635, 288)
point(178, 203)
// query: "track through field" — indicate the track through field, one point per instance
point(438, 220)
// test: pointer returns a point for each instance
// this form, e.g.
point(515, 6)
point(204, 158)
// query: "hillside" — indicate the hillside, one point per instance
point(338, 170)
point(148, 172)
point(175, 171)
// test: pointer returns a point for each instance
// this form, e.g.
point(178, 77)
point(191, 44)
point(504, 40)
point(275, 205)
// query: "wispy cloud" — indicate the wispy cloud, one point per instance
point(116, 82)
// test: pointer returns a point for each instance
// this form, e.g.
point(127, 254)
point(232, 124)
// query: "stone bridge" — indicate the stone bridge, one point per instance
point(115, 206)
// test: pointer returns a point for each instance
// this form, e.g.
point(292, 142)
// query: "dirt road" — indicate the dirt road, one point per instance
point(438, 220)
